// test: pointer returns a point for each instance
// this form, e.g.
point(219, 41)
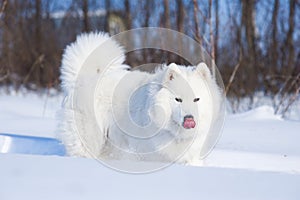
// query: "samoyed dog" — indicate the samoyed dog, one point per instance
point(162, 116)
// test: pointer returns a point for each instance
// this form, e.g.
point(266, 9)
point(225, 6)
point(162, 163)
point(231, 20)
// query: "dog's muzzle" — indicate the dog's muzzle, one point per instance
point(188, 122)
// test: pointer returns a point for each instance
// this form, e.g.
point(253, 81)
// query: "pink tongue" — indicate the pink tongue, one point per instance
point(189, 123)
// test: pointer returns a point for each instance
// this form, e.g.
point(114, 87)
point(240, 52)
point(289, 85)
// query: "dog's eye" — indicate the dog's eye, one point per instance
point(178, 99)
point(196, 99)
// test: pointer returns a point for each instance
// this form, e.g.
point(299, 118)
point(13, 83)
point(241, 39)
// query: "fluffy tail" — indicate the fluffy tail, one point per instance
point(81, 51)
point(84, 52)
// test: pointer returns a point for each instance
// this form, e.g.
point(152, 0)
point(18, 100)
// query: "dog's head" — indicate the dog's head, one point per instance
point(186, 96)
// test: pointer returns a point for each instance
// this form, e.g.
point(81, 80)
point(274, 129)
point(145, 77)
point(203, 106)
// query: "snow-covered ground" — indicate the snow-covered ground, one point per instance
point(257, 157)
point(29, 114)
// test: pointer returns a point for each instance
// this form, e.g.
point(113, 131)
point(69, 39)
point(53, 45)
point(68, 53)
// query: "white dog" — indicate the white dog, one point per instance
point(162, 116)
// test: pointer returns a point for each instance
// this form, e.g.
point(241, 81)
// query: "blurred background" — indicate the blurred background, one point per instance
point(255, 43)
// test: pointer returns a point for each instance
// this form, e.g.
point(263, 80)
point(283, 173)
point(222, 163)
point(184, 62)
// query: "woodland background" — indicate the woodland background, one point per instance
point(255, 43)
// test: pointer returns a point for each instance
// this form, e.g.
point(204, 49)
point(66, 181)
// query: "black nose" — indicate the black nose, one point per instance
point(188, 117)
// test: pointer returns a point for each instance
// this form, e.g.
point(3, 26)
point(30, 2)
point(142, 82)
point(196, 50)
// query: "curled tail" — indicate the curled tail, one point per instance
point(84, 52)
point(81, 51)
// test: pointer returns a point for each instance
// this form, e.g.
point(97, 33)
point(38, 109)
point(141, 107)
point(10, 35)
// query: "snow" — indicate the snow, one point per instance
point(11, 143)
point(29, 114)
point(40, 177)
point(257, 157)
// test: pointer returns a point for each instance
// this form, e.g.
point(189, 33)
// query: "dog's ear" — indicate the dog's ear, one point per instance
point(172, 72)
point(203, 70)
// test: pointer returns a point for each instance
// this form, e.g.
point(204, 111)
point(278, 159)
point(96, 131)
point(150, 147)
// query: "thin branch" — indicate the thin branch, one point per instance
point(287, 91)
point(211, 39)
point(3, 6)
point(3, 78)
point(197, 32)
point(38, 61)
point(233, 74)
point(292, 100)
point(5, 74)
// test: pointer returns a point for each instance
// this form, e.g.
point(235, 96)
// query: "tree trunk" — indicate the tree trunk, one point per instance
point(274, 46)
point(289, 38)
point(5, 60)
point(167, 14)
point(211, 34)
point(128, 14)
point(147, 10)
point(217, 29)
point(180, 16)
point(85, 13)
point(211, 38)
point(38, 43)
point(180, 28)
point(38, 34)
point(107, 8)
point(197, 32)
point(248, 23)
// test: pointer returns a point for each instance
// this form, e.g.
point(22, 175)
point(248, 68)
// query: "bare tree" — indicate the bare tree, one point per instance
point(32, 40)
point(85, 13)
point(197, 31)
point(211, 34)
point(36, 68)
point(4, 72)
point(211, 38)
point(167, 14)
point(274, 48)
point(217, 30)
point(289, 37)
point(248, 23)
point(147, 9)
point(128, 14)
point(180, 26)
point(180, 16)
point(2, 7)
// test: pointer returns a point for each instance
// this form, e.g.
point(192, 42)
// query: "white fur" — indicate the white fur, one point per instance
point(77, 53)
point(149, 98)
